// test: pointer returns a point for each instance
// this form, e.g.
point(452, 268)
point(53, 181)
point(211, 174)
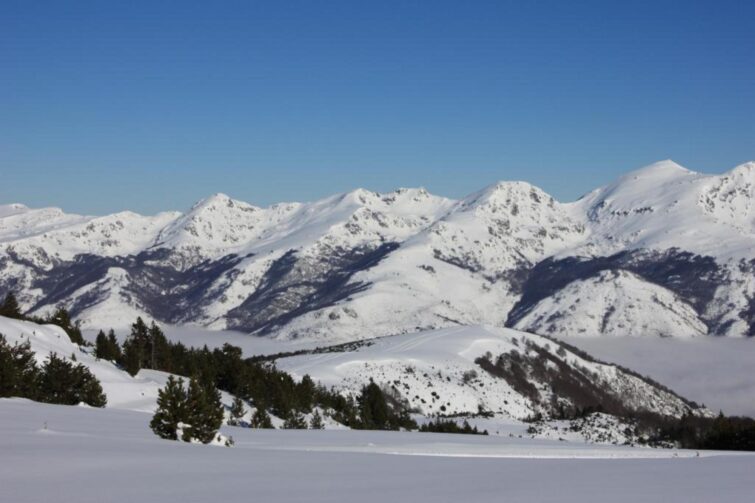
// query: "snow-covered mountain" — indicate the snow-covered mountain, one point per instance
point(509, 375)
point(661, 251)
point(503, 372)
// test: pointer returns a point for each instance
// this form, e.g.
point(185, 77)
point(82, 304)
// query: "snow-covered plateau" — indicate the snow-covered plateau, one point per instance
point(55, 453)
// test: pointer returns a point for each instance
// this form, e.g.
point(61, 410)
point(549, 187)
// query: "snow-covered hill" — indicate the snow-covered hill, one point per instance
point(501, 376)
point(457, 371)
point(662, 251)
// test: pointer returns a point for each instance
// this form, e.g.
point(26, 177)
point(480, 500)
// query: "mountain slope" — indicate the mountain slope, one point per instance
point(467, 370)
point(362, 264)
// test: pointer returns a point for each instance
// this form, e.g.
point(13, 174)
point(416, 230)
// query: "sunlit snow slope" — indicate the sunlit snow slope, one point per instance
point(664, 250)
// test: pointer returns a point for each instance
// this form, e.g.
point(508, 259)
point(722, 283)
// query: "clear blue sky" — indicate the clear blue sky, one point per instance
point(153, 105)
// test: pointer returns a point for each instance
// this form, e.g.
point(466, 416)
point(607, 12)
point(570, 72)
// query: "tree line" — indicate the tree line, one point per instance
point(261, 383)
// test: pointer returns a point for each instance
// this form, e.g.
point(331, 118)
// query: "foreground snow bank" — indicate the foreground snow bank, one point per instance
point(58, 453)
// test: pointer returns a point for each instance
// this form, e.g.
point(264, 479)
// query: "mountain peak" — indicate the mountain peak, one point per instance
point(745, 170)
point(506, 193)
point(661, 169)
point(219, 201)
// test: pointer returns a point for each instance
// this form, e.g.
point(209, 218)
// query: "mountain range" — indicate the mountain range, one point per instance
point(662, 251)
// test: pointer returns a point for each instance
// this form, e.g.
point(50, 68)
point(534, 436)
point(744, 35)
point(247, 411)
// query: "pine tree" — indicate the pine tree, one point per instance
point(65, 383)
point(295, 421)
point(261, 419)
point(158, 350)
point(373, 408)
point(106, 347)
point(19, 374)
point(237, 412)
point(101, 346)
point(132, 357)
point(305, 393)
point(316, 423)
point(115, 348)
point(62, 318)
point(10, 307)
point(204, 412)
point(171, 409)
point(89, 388)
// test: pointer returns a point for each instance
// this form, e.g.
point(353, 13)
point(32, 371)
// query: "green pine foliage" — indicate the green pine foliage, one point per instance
point(57, 381)
point(106, 347)
point(373, 408)
point(450, 426)
point(316, 422)
point(261, 419)
point(62, 318)
point(260, 383)
point(295, 421)
point(64, 383)
point(10, 308)
point(146, 347)
point(237, 412)
point(171, 409)
point(196, 412)
point(204, 412)
point(19, 375)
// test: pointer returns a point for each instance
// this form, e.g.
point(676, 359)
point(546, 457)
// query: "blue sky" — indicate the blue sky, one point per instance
point(153, 105)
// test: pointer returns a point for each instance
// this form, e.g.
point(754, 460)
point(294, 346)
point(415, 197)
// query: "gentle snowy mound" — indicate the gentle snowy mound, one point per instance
point(474, 370)
point(362, 264)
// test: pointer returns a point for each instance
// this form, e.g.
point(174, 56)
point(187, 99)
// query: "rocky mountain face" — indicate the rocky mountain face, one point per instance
point(662, 251)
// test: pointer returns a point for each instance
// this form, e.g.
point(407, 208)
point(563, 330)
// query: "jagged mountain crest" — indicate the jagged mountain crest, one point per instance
point(363, 264)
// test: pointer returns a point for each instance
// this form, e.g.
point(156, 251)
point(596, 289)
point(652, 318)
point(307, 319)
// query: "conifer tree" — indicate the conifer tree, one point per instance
point(106, 347)
point(171, 409)
point(295, 421)
point(18, 370)
point(316, 423)
point(373, 408)
point(132, 356)
point(101, 346)
point(10, 307)
point(237, 412)
point(115, 348)
point(204, 412)
point(89, 388)
point(159, 348)
point(62, 318)
point(64, 383)
point(261, 419)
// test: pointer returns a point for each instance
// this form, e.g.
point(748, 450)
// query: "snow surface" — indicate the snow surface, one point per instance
point(458, 262)
point(613, 303)
point(59, 453)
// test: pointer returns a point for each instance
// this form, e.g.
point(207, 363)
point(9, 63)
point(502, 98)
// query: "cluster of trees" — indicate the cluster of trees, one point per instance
point(11, 309)
point(720, 433)
point(56, 381)
point(257, 382)
point(450, 426)
point(193, 414)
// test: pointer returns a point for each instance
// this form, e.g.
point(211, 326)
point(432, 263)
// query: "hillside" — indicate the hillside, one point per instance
point(670, 251)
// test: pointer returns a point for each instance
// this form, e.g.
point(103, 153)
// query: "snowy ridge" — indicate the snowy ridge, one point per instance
point(437, 372)
point(362, 264)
